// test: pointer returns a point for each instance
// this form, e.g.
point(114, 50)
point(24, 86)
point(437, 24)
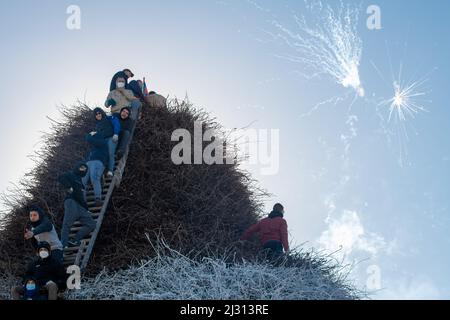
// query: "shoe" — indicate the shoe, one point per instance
point(109, 174)
point(73, 243)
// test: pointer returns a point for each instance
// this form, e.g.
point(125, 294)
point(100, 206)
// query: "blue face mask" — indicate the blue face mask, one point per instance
point(31, 286)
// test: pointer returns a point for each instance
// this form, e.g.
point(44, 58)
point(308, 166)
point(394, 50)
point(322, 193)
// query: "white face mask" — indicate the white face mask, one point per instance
point(43, 254)
point(120, 84)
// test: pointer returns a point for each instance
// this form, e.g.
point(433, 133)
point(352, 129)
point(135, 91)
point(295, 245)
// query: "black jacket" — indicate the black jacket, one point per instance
point(137, 91)
point(99, 149)
point(72, 179)
point(127, 124)
point(119, 74)
point(108, 126)
point(45, 270)
point(44, 223)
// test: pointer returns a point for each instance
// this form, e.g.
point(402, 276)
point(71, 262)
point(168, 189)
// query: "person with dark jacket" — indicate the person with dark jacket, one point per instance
point(72, 182)
point(109, 128)
point(97, 160)
point(44, 272)
point(126, 74)
point(75, 206)
point(136, 87)
point(126, 126)
point(40, 228)
point(273, 231)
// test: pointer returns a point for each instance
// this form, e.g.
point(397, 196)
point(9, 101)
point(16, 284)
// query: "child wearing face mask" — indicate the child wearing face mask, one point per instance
point(45, 272)
point(31, 290)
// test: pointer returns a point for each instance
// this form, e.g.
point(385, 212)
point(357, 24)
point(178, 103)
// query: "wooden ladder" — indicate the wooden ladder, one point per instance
point(80, 255)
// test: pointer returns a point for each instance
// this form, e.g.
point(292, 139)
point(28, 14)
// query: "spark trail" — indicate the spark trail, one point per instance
point(405, 100)
point(397, 112)
point(329, 46)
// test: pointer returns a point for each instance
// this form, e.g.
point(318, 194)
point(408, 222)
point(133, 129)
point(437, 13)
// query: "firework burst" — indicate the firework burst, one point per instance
point(329, 46)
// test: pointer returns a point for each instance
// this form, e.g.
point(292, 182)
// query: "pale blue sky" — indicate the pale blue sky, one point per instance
point(395, 216)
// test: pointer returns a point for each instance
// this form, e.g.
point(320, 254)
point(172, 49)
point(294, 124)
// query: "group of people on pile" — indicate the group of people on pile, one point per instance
point(108, 142)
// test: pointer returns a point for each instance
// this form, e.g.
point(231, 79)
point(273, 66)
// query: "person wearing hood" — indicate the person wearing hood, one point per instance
point(109, 128)
point(124, 96)
point(273, 231)
point(40, 228)
point(126, 126)
point(136, 86)
point(75, 206)
point(44, 272)
point(125, 74)
point(97, 161)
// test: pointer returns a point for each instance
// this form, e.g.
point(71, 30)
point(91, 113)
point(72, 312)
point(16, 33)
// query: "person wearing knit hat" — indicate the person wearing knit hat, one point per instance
point(40, 228)
point(273, 231)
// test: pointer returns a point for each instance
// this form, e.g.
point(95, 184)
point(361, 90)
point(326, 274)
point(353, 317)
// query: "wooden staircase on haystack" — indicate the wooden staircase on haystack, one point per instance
point(80, 255)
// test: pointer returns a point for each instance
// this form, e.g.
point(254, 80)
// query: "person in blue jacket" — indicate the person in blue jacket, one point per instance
point(109, 128)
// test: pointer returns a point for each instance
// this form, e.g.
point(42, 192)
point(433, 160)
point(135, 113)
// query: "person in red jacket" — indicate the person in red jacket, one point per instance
point(273, 231)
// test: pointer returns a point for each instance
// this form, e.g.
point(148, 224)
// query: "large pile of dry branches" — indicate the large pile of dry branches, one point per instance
point(169, 275)
point(199, 210)
point(196, 208)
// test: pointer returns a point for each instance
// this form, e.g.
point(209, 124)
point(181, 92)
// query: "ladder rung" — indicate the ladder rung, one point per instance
point(71, 249)
point(78, 224)
point(73, 256)
point(91, 193)
point(74, 231)
point(90, 190)
point(74, 253)
point(92, 203)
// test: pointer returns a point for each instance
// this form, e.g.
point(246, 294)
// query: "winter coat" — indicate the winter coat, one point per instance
point(123, 98)
point(45, 270)
point(136, 89)
point(99, 148)
point(127, 124)
point(72, 180)
point(119, 74)
point(108, 126)
point(272, 228)
point(44, 230)
point(155, 100)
